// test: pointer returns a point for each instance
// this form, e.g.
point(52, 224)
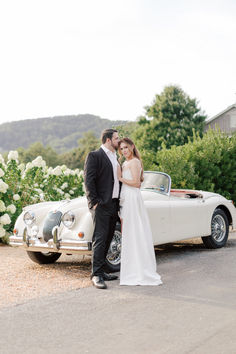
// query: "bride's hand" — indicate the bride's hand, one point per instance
point(119, 173)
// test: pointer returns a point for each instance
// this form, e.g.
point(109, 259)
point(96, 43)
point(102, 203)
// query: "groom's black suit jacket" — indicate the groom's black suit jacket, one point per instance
point(98, 178)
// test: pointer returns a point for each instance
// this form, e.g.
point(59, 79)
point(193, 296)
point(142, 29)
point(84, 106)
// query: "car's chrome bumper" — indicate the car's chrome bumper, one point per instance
point(53, 245)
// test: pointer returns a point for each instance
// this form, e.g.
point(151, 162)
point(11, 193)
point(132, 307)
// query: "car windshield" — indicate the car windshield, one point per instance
point(156, 181)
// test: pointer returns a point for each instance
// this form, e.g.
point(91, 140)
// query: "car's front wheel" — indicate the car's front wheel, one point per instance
point(43, 258)
point(219, 230)
point(114, 252)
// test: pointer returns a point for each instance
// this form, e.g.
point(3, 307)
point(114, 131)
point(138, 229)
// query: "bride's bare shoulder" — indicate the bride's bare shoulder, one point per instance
point(135, 161)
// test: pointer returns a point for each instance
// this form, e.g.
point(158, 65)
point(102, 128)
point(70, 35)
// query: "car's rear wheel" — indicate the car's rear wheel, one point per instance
point(114, 252)
point(43, 258)
point(219, 230)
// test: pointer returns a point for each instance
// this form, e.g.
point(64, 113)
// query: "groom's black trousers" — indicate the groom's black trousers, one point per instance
point(105, 218)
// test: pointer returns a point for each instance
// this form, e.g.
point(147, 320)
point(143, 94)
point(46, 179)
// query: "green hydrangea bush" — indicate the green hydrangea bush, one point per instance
point(22, 185)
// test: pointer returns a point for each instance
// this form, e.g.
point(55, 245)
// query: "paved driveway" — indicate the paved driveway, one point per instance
point(194, 311)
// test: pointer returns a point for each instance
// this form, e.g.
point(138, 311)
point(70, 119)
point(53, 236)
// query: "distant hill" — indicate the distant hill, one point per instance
point(61, 133)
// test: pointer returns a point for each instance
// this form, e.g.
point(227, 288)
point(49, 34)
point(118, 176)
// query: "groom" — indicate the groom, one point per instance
point(102, 191)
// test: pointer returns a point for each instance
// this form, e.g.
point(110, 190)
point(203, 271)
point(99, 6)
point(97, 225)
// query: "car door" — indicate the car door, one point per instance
point(159, 217)
point(188, 217)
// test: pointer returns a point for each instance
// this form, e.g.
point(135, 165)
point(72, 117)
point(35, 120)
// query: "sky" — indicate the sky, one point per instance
point(111, 57)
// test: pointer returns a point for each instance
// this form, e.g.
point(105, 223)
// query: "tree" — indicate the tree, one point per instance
point(172, 119)
point(76, 157)
point(127, 129)
point(206, 163)
point(37, 149)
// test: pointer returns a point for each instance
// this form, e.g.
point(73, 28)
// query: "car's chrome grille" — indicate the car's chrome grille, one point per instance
point(52, 219)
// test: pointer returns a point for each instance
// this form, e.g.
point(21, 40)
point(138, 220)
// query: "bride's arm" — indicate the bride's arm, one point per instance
point(119, 173)
point(135, 172)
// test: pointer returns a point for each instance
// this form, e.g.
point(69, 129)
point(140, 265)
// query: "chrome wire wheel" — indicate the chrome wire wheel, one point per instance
point(218, 228)
point(114, 252)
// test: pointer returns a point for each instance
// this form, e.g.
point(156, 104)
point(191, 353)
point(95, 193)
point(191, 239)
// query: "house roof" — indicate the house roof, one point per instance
point(219, 114)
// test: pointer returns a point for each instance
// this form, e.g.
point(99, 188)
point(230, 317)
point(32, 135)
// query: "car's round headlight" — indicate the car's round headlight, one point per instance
point(68, 219)
point(29, 218)
point(34, 230)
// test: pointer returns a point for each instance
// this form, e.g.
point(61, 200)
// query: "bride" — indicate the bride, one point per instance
point(138, 263)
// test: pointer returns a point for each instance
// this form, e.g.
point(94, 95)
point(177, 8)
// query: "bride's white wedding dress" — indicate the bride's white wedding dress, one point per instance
point(138, 263)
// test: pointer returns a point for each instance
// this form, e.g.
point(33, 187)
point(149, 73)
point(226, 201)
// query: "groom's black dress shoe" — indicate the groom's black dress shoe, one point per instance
point(109, 276)
point(98, 282)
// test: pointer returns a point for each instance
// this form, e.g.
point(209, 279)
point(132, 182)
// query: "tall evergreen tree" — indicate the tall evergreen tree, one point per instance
point(171, 119)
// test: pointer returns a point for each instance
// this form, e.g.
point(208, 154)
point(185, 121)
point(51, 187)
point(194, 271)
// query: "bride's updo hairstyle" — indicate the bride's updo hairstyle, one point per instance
point(132, 149)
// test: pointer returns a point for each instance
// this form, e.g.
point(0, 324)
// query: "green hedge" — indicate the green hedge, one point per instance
point(22, 185)
point(207, 163)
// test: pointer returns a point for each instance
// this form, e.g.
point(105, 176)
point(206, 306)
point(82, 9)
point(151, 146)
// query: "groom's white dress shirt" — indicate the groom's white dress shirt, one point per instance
point(113, 158)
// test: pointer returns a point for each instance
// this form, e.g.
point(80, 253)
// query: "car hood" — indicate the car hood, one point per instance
point(63, 205)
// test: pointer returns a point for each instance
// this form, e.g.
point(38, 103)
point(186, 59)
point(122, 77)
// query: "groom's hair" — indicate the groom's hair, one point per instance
point(107, 134)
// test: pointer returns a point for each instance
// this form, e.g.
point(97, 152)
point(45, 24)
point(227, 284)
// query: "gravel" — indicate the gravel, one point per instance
point(21, 279)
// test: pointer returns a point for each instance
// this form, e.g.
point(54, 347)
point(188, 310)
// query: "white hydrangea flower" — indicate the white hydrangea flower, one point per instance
point(16, 197)
point(65, 185)
point(2, 231)
point(36, 185)
point(38, 190)
point(13, 155)
point(77, 171)
point(67, 172)
point(41, 185)
point(39, 162)
point(71, 192)
point(67, 195)
point(34, 199)
point(2, 206)
point(3, 186)
point(1, 172)
point(57, 171)
point(21, 167)
point(59, 191)
point(63, 168)
point(1, 159)
point(49, 171)
point(5, 219)
point(11, 208)
point(81, 173)
point(29, 165)
point(41, 197)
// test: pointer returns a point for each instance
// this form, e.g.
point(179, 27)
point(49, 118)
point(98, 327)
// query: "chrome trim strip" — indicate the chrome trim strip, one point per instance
point(66, 246)
point(25, 237)
point(56, 241)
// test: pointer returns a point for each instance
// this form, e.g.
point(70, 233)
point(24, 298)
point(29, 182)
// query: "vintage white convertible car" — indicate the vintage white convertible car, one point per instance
point(48, 229)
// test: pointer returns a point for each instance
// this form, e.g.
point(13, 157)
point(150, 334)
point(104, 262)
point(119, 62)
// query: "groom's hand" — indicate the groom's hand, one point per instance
point(119, 173)
point(95, 206)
